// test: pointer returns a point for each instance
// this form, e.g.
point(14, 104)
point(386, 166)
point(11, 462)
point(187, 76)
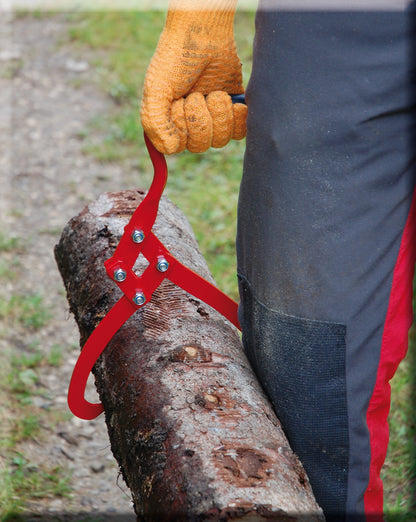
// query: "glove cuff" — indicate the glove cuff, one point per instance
point(202, 5)
point(210, 18)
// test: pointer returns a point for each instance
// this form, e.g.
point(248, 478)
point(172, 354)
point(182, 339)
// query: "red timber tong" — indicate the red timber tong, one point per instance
point(138, 238)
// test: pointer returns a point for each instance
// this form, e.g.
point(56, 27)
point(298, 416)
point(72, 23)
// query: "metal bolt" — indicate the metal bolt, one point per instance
point(162, 265)
point(139, 299)
point(137, 236)
point(120, 275)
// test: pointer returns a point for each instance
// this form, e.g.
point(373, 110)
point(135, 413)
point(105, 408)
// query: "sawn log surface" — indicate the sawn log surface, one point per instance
point(189, 425)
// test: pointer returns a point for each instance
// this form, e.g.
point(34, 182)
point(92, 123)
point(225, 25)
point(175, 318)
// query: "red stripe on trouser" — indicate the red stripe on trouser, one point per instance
point(393, 349)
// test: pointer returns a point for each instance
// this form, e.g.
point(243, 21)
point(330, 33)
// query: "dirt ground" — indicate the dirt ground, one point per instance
point(48, 95)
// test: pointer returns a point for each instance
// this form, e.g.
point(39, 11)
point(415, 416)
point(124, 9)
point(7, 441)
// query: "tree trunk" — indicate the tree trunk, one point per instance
point(189, 425)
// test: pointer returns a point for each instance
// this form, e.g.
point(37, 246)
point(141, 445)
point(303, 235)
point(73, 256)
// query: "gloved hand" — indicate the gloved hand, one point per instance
point(186, 102)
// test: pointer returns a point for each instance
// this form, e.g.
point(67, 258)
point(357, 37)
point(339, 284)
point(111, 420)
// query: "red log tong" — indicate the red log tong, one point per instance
point(138, 238)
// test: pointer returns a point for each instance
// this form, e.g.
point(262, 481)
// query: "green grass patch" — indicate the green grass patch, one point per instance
point(21, 380)
point(21, 420)
point(399, 473)
point(205, 187)
point(10, 249)
point(26, 428)
point(21, 480)
point(124, 43)
point(9, 243)
point(117, 137)
point(9, 268)
point(55, 355)
point(28, 310)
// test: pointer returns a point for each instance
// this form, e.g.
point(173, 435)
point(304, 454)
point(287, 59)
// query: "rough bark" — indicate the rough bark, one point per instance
point(189, 425)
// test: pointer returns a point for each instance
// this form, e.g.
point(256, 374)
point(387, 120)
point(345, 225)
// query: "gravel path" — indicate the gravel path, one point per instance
point(47, 97)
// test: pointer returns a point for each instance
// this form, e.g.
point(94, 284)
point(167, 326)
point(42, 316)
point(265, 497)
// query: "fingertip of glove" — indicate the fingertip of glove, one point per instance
point(178, 118)
point(198, 123)
point(221, 109)
point(168, 144)
point(240, 121)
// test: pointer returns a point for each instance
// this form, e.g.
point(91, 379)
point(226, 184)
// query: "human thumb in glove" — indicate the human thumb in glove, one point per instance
point(186, 102)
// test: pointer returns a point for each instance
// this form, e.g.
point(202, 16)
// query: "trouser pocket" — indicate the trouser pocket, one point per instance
point(301, 365)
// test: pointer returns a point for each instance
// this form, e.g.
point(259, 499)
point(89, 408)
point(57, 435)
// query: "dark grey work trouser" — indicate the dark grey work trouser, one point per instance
point(324, 222)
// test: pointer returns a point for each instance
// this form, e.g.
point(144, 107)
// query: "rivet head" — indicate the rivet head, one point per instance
point(137, 236)
point(120, 275)
point(139, 299)
point(162, 265)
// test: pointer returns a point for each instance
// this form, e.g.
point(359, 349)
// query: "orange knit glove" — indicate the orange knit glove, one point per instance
point(186, 102)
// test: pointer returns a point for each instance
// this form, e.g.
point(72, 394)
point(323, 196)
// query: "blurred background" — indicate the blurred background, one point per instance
point(70, 86)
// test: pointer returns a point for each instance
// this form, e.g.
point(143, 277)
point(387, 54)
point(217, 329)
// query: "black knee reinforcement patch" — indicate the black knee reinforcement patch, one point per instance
point(301, 365)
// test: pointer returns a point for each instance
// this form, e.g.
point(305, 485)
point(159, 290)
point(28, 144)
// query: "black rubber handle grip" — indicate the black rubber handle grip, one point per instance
point(238, 98)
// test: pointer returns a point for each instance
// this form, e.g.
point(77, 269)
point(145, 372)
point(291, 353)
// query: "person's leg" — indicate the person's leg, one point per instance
point(324, 223)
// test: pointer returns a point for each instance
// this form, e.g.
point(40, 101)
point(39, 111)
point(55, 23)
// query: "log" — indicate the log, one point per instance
point(189, 425)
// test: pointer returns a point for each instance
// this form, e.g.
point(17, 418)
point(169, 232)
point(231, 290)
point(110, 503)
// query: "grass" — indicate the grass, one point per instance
point(27, 309)
point(21, 383)
point(22, 480)
point(10, 248)
point(22, 316)
point(9, 243)
point(399, 472)
point(206, 189)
